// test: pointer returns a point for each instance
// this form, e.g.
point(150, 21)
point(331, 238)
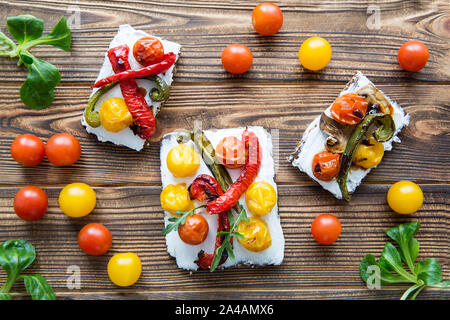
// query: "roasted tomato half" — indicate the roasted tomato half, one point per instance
point(349, 108)
point(326, 165)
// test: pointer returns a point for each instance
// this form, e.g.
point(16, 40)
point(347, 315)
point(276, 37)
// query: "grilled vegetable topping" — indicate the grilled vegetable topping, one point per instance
point(349, 109)
point(338, 133)
point(369, 153)
point(374, 96)
point(256, 234)
point(325, 165)
point(384, 131)
point(114, 115)
point(162, 90)
point(92, 117)
point(205, 187)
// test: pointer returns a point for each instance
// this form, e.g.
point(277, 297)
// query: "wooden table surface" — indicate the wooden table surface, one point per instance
point(277, 93)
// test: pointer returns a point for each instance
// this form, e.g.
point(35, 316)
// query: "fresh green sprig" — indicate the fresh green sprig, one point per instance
point(392, 260)
point(15, 257)
point(37, 92)
point(180, 220)
point(226, 243)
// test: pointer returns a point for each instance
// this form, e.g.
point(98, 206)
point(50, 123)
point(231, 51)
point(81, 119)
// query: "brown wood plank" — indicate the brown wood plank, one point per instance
point(135, 220)
point(205, 28)
point(286, 107)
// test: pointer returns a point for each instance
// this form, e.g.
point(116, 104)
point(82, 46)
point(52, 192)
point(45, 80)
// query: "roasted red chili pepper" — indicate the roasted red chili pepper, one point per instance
point(205, 259)
point(138, 107)
point(205, 187)
point(151, 70)
point(226, 201)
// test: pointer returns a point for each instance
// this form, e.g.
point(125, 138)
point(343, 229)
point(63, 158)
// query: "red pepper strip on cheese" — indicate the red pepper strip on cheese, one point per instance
point(138, 107)
point(205, 259)
point(226, 201)
point(151, 70)
point(205, 187)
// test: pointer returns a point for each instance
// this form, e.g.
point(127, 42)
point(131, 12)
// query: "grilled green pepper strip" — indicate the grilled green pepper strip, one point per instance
point(92, 117)
point(385, 131)
point(162, 90)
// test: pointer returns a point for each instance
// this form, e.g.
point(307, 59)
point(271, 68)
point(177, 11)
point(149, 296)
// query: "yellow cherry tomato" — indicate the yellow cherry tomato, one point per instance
point(315, 53)
point(124, 269)
point(260, 198)
point(176, 198)
point(256, 234)
point(77, 200)
point(405, 197)
point(114, 115)
point(369, 153)
point(183, 161)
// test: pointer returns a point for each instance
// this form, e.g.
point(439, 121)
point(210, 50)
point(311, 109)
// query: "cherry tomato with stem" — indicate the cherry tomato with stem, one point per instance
point(237, 58)
point(267, 18)
point(413, 56)
point(326, 228)
point(148, 51)
point(31, 203)
point(195, 230)
point(28, 150)
point(94, 239)
point(63, 149)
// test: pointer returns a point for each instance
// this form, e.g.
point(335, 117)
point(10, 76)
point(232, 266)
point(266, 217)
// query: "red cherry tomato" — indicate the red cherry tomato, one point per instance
point(30, 203)
point(148, 50)
point(267, 18)
point(28, 150)
point(195, 230)
point(326, 228)
point(63, 149)
point(94, 239)
point(326, 165)
point(413, 56)
point(230, 151)
point(237, 58)
point(350, 108)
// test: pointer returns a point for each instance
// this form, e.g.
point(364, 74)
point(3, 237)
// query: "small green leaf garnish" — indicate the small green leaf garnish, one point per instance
point(180, 220)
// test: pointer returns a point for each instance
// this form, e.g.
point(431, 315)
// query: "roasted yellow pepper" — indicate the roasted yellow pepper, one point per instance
point(183, 161)
point(369, 153)
point(256, 234)
point(176, 198)
point(114, 115)
point(260, 198)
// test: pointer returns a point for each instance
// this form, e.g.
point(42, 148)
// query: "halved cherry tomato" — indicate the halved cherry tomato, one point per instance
point(413, 56)
point(230, 151)
point(94, 239)
point(28, 150)
point(195, 230)
point(63, 149)
point(326, 165)
point(148, 50)
point(267, 18)
point(237, 58)
point(350, 108)
point(30, 203)
point(326, 228)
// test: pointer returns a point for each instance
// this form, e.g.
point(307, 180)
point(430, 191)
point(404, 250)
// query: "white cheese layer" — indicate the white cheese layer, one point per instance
point(128, 35)
point(314, 139)
point(186, 254)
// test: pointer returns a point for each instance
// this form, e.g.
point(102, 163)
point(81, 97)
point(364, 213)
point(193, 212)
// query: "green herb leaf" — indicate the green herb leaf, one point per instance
point(37, 91)
point(38, 288)
point(7, 46)
point(177, 221)
point(403, 235)
point(5, 296)
point(386, 277)
point(59, 37)
point(16, 256)
point(25, 28)
point(429, 271)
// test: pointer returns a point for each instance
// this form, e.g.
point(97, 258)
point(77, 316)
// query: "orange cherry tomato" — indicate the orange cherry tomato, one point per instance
point(148, 50)
point(326, 228)
point(350, 108)
point(28, 150)
point(63, 149)
point(230, 151)
point(237, 58)
point(267, 18)
point(413, 56)
point(195, 230)
point(326, 165)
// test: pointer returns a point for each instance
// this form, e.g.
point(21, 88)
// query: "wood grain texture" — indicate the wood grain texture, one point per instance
point(278, 94)
point(205, 28)
point(135, 220)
